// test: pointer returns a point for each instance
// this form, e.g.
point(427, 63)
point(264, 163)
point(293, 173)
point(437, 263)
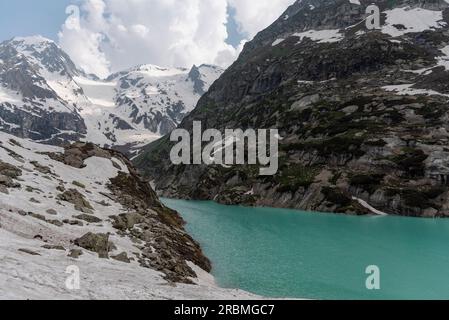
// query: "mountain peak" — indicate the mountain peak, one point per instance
point(157, 71)
point(45, 54)
point(32, 44)
point(33, 40)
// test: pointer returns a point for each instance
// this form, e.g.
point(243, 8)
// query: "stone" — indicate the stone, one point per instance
point(75, 253)
point(9, 170)
point(98, 243)
point(122, 257)
point(8, 182)
point(79, 184)
point(40, 168)
point(52, 212)
point(77, 199)
point(56, 223)
point(88, 218)
point(53, 247)
point(33, 200)
point(30, 252)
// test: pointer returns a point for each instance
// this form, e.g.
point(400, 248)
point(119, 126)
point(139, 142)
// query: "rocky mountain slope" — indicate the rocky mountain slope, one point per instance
point(157, 99)
point(32, 73)
point(45, 97)
point(362, 113)
point(86, 207)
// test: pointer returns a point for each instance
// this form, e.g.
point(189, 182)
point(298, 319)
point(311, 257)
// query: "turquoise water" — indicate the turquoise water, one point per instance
point(286, 253)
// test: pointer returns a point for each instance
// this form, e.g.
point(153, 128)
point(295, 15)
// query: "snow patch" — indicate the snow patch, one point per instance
point(156, 71)
point(412, 20)
point(370, 208)
point(406, 89)
point(277, 41)
point(100, 93)
point(10, 96)
point(321, 36)
point(444, 60)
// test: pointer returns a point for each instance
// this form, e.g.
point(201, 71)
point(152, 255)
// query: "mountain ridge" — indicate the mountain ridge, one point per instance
point(361, 113)
point(126, 110)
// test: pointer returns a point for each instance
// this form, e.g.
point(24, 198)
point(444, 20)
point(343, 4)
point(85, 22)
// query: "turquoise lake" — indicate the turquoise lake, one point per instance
point(293, 254)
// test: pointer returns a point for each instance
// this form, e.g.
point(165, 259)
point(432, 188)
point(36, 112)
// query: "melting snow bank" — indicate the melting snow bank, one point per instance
point(370, 208)
point(322, 36)
point(407, 89)
point(26, 276)
point(411, 20)
point(85, 208)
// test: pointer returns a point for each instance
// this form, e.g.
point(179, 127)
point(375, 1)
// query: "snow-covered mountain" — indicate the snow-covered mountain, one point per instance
point(38, 97)
point(142, 103)
point(158, 98)
point(85, 206)
point(45, 97)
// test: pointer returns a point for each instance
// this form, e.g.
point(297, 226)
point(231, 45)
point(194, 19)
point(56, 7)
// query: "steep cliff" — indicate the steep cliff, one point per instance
point(362, 114)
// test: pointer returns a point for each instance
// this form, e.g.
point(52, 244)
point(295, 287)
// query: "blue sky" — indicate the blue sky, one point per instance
point(175, 33)
point(45, 17)
point(30, 17)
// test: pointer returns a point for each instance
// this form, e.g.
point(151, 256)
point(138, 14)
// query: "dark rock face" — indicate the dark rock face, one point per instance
point(198, 83)
point(35, 124)
point(347, 135)
point(166, 246)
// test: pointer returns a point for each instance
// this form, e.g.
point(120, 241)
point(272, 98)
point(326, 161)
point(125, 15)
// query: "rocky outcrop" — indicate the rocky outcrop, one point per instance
point(84, 198)
point(165, 246)
point(8, 176)
point(51, 127)
point(362, 114)
point(77, 199)
point(159, 231)
point(98, 243)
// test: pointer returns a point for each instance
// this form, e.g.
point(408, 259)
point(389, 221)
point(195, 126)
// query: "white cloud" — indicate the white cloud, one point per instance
point(115, 35)
point(254, 16)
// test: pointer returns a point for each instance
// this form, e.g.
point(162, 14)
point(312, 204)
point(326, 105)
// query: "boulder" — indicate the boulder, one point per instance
point(98, 243)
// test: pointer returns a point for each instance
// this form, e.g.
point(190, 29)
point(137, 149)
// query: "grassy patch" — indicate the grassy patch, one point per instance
point(294, 177)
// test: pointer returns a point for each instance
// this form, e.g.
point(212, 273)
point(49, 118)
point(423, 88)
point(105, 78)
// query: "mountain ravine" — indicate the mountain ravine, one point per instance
point(363, 114)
